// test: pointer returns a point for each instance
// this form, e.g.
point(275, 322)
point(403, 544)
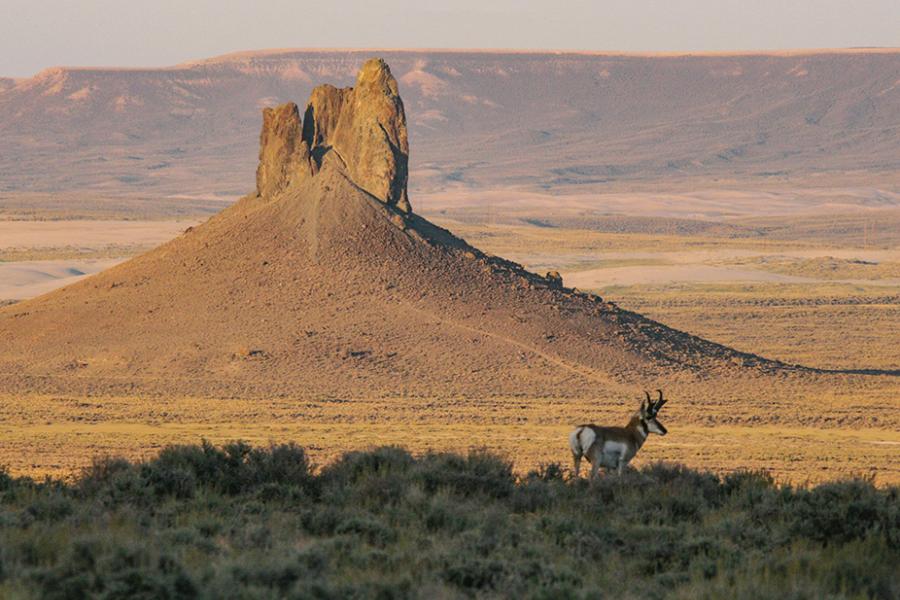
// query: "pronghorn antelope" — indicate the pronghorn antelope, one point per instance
point(614, 447)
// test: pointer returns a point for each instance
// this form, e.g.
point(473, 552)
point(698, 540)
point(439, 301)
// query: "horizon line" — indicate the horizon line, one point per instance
point(264, 52)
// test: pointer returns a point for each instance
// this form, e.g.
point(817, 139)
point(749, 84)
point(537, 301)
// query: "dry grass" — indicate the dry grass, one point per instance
point(507, 240)
point(58, 436)
point(70, 253)
point(74, 206)
point(825, 267)
point(843, 314)
point(826, 326)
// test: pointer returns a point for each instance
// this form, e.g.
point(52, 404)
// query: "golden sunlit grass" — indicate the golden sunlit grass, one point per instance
point(800, 439)
point(504, 240)
point(827, 326)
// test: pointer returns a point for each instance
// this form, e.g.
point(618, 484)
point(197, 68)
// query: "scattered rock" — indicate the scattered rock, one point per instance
point(399, 221)
point(554, 279)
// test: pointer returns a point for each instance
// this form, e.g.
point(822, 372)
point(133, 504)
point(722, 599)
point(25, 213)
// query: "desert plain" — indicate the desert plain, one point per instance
point(800, 266)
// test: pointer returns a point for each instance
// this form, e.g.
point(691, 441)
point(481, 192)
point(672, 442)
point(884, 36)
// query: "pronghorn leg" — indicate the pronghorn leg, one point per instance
point(620, 467)
point(577, 459)
point(595, 468)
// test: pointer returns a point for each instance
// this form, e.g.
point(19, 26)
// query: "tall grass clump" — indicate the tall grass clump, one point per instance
point(201, 521)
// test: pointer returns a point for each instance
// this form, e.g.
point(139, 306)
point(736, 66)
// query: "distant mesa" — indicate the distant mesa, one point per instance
point(361, 129)
point(532, 121)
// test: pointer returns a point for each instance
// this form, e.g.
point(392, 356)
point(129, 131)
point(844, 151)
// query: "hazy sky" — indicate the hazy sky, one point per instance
point(35, 34)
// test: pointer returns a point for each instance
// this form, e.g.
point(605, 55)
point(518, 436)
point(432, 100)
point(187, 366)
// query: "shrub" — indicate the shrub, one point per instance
point(241, 522)
point(477, 473)
point(51, 506)
point(284, 464)
point(102, 473)
point(90, 570)
point(550, 472)
point(839, 512)
point(473, 573)
point(368, 529)
point(746, 485)
point(352, 466)
point(6, 481)
point(446, 514)
point(892, 519)
point(321, 519)
point(180, 471)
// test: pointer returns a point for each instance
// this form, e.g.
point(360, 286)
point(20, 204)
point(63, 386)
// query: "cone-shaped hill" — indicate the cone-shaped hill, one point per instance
point(325, 282)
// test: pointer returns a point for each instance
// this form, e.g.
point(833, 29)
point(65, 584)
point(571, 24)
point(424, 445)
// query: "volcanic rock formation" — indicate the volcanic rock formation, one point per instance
point(324, 283)
point(363, 127)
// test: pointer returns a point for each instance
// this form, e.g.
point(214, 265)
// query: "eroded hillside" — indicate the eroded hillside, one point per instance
point(478, 119)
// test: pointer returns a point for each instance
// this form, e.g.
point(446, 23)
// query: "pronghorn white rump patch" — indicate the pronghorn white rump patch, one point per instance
point(573, 441)
point(581, 440)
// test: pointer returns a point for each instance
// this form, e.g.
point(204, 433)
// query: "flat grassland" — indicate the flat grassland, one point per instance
point(822, 291)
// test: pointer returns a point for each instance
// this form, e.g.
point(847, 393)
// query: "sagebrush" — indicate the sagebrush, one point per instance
point(200, 521)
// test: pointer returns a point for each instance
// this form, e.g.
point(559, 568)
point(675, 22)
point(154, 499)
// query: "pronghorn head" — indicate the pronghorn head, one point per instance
point(649, 410)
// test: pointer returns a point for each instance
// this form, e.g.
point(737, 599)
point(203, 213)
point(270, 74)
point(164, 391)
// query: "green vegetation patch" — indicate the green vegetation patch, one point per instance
point(239, 522)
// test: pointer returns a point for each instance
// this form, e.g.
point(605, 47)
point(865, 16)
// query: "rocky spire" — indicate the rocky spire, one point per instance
point(283, 156)
point(363, 127)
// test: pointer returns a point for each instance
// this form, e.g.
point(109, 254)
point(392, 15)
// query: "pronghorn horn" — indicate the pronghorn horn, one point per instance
point(659, 402)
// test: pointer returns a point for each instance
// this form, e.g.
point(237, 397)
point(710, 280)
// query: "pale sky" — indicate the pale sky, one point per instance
point(35, 34)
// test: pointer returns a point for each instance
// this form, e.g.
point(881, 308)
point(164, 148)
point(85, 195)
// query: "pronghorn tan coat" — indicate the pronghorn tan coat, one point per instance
point(614, 447)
